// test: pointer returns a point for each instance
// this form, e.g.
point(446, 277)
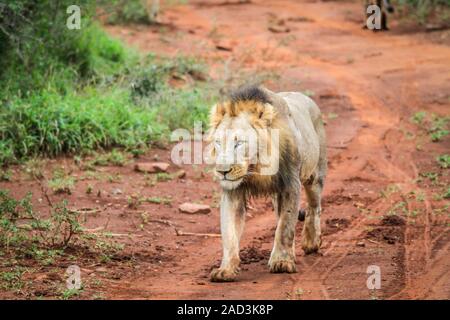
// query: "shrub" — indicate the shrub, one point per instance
point(423, 10)
point(72, 91)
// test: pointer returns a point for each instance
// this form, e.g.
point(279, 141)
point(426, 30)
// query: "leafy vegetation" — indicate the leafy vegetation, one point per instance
point(444, 161)
point(20, 225)
point(131, 11)
point(74, 91)
point(45, 239)
point(435, 126)
point(425, 10)
point(61, 182)
point(115, 157)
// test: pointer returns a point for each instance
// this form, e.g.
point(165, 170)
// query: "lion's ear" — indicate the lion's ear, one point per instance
point(265, 114)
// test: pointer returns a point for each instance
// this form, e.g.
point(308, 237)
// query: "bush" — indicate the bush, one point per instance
point(424, 10)
point(20, 225)
point(50, 124)
point(72, 91)
point(128, 11)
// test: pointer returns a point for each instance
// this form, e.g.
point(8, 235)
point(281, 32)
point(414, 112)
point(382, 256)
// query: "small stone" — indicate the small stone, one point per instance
point(224, 45)
point(279, 28)
point(116, 191)
point(181, 174)
point(361, 244)
point(194, 208)
point(152, 167)
point(358, 204)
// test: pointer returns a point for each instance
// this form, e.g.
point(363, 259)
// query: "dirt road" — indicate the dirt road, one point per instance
point(368, 85)
point(379, 206)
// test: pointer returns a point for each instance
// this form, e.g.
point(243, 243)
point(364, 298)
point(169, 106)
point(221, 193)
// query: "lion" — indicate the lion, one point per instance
point(298, 153)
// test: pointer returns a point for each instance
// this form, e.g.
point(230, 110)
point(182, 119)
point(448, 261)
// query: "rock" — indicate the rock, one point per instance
point(152, 167)
point(194, 208)
point(358, 205)
point(116, 191)
point(361, 244)
point(224, 46)
point(181, 174)
point(101, 269)
point(41, 277)
point(279, 29)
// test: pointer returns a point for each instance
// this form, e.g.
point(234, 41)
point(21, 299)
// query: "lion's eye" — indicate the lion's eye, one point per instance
point(238, 144)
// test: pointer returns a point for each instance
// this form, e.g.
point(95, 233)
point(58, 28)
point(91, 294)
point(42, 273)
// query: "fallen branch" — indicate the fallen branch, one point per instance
point(121, 235)
point(182, 233)
point(93, 230)
point(44, 191)
point(373, 241)
point(84, 210)
point(337, 147)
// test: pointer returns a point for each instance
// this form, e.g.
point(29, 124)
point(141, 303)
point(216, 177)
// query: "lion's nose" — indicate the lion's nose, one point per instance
point(223, 170)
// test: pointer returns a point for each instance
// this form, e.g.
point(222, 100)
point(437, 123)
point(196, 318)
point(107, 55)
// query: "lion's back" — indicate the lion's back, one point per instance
point(301, 103)
point(306, 122)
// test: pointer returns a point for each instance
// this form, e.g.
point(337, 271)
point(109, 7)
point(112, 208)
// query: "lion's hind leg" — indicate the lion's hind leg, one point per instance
point(311, 235)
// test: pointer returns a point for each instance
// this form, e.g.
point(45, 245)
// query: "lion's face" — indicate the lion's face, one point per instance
point(235, 142)
point(240, 134)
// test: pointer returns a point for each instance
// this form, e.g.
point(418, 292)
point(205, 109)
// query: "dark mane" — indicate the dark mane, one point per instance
point(249, 93)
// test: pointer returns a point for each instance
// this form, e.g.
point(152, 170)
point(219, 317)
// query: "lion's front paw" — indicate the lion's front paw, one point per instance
point(224, 274)
point(282, 266)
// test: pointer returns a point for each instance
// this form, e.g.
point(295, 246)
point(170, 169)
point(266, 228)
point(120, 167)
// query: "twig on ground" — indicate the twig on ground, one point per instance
point(166, 222)
point(182, 233)
point(337, 147)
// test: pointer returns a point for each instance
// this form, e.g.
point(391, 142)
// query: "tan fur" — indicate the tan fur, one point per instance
point(301, 155)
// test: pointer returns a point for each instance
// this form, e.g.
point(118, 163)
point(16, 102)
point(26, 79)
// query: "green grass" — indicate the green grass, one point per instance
point(446, 193)
point(110, 98)
point(12, 280)
point(26, 235)
point(435, 126)
point(61, 182)
point(444, 161)
point(115, 157)
point(424, 10)
point(126, 12)
point(159, 200)
point(68, 294)
point(418, 117)
point(5, 175)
